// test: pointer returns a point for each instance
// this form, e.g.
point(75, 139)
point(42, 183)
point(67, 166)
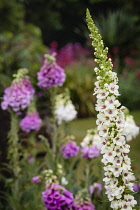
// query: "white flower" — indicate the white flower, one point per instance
point(115, 204)
point(65, 113)
point(119, 140)
point(113, 88)
point(126, 148)
point(113, 183)
point(103, 130)
point(130, 200)
point(107, 177)
point(118, 192)
point(91, 138)
point(126, 205)
point(131, 129)
point(118, 160)
point(127, 160)
point(127, 175)
point(118, 150)
point(111, 102)
point(97, 84)
point(111, 112)
point(110, 197)
point(120, 123)
point(102, 94)
point(64, 181)
point(83, 144)
point(102, 118)
point(109, 156)
point(116, 170)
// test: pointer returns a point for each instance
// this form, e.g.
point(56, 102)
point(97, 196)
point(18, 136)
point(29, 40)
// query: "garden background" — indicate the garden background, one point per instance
point(30, 28)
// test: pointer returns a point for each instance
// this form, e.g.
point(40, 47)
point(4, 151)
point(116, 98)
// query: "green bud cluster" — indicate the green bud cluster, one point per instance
point(22, 72)
point(105, 64)
point(49, 58)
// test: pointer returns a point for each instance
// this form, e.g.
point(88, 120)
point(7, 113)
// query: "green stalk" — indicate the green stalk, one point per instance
point(87, 174)
point(13, 155)
point(32, 142)
point(54, 133)
point(67, 129)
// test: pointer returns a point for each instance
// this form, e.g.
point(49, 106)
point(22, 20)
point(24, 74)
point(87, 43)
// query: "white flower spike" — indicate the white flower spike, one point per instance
point(111, 128)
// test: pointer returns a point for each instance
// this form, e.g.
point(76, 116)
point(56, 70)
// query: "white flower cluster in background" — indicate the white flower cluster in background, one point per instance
point(131, 130)
point(111, 127)
point(64, 109)
point(92, 138)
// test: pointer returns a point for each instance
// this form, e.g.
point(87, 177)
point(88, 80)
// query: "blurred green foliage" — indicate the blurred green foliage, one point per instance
point(120, 31)
point(119, 28)
point(20, 192)
point(130, 91)
point(80, 80)
point(20, 43)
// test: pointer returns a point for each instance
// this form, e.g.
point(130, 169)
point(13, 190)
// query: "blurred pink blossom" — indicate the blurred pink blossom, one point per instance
point(69, 53)
point(129, 61)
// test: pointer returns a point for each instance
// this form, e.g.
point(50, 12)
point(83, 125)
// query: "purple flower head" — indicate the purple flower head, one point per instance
point(97, 186)
point(31, 159)
point(30, 122)
point(57, 197)
point(19, 95)
point(136, 187)
point(36, 179)
point(69, 150)
point(90, 152)
point(50, 75)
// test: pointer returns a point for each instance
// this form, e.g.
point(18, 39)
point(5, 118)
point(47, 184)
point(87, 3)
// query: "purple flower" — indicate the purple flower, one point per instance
point(19, 95)
point(136, 187)
point(69, 150)
point(97, 186)
point(50, 75)
point(81, 205)
point(57, 197)
point(30, 122)
point(31, 159)
point(90, 152)
point(36, 179)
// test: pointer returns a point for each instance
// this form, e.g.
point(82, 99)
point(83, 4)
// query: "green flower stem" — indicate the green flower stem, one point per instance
point(13, 155)
point(87, 173)
point(54, 125)
point(32, 142)
point(67, 129)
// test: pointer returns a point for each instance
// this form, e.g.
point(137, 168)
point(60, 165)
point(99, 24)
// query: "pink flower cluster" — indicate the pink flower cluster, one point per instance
point(50, 75)
point(36, 179)
point(19, 95)
point(30, 122)
point(57, 197)
point(68, 53)
point(69, 150)
point(95, 186)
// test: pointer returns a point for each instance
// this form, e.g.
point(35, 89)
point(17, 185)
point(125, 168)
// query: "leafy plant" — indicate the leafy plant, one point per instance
point(119, 29)
point(80, 76)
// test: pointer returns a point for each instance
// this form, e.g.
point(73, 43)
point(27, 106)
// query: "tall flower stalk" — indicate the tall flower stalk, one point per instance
point(50, 76)
point(16, 98)
point(110, 122)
